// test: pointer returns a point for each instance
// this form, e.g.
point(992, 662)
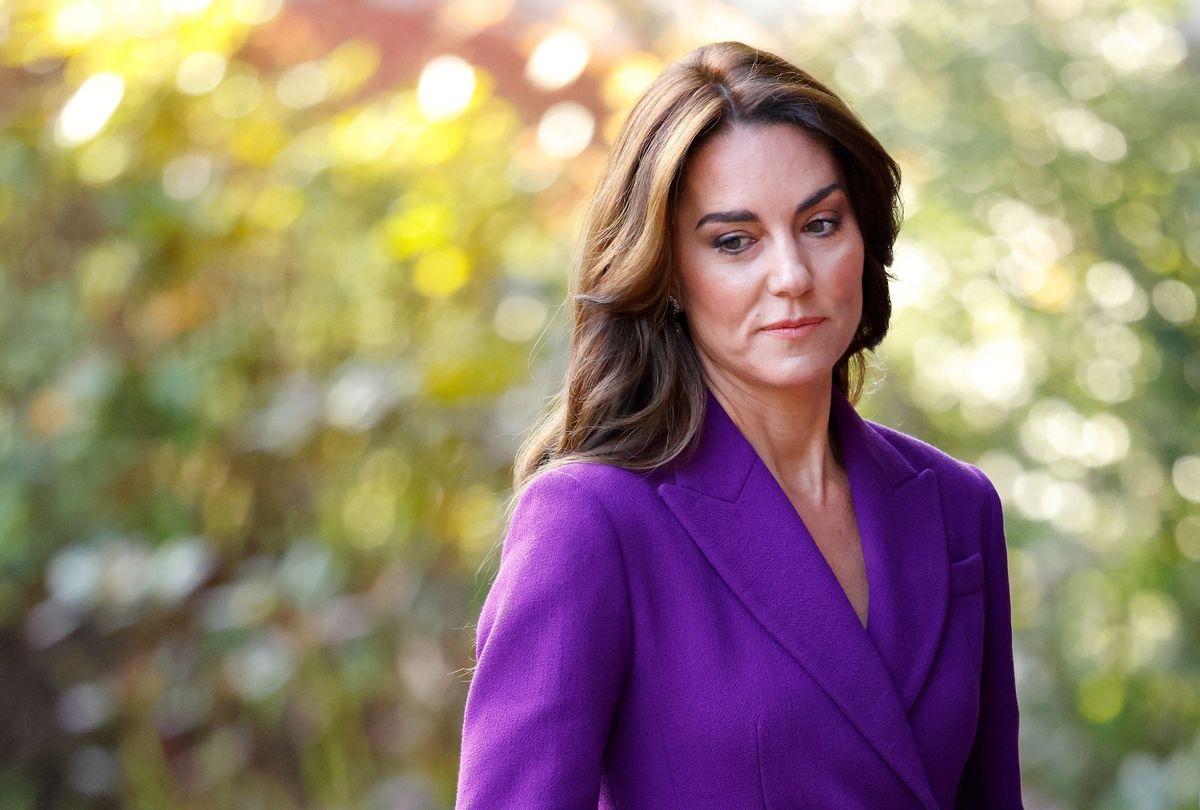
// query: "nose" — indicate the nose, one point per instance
point(789, 274)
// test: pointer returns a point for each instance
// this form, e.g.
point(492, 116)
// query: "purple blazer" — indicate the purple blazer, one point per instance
point(675, 640)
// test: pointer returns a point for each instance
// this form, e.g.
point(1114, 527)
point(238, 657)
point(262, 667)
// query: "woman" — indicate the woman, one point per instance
point(721, 587)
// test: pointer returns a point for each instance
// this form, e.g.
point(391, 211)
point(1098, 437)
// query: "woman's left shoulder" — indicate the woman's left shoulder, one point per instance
point(951, 471)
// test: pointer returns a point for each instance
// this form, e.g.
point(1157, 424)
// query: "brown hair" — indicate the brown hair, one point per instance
point(634, 394)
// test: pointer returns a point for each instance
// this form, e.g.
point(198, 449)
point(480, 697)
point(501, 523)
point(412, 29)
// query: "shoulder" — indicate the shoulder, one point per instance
point(952, 472)
point(585, 509)
point(585, 500)
point(599, 477)
point(588, 484)
point(561, 533)
point(971, 506)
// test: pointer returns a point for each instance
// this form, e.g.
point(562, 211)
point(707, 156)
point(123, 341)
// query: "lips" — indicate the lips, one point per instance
point(792, 324)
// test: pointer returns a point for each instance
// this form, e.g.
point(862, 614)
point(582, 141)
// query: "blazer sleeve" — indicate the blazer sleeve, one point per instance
point(552, 648)
point(992, 775)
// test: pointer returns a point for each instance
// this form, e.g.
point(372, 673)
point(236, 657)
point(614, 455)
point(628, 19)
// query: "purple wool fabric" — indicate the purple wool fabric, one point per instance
point(676, 641)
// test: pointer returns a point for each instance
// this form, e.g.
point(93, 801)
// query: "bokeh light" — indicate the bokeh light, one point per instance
point(565, 130)
point(200, 72)
point(88, 110)
point(558, 59)
point(445, 87)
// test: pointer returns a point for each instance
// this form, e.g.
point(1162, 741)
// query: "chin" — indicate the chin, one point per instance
point(771, 371)
point(796, 378)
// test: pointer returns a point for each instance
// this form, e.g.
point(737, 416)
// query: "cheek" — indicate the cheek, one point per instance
point(852, 289)
point(848, 287)
point(710, 294)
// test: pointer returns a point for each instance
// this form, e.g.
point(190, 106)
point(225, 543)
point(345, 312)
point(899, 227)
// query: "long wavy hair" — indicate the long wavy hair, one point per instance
point(634, 393)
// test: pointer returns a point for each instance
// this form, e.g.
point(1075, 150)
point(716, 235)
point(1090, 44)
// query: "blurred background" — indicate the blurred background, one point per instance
point(281, 286)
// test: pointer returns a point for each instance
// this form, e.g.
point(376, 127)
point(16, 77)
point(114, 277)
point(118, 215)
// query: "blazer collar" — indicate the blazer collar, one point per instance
point(736, 512)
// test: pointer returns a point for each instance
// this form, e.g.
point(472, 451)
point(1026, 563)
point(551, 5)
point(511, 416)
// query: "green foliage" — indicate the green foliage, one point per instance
point(251, 356)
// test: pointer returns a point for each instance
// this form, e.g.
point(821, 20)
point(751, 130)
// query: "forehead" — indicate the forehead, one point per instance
point(754, 161)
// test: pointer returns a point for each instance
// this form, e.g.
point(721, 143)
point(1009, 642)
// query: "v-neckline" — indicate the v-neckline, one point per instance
point(836, 431)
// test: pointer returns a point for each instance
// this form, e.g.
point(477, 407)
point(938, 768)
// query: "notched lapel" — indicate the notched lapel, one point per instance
point(742, 521)
point(908, 570)
point(899, 514)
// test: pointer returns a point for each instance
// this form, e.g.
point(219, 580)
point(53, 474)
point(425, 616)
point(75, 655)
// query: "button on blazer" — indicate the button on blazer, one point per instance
point(675, 640)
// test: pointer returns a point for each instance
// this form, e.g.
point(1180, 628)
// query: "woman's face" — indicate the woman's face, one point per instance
point(769, 257)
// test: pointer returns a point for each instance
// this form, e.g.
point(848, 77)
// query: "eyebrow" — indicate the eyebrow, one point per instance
point(749, 216)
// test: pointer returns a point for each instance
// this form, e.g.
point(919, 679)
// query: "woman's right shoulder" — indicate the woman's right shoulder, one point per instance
point(570, 522)
point(585, 492)
point(605, 482)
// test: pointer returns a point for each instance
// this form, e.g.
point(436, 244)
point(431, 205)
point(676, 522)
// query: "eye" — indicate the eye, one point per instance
point(732, 245)
point(826, 226)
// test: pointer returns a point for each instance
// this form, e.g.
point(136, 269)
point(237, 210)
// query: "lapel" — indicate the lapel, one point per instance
point(743, 522)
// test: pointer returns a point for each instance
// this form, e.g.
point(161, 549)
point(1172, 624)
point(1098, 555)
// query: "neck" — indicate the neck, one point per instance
point(788, 428)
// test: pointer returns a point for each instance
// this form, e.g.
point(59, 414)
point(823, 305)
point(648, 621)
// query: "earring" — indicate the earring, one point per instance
point(675, 308)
